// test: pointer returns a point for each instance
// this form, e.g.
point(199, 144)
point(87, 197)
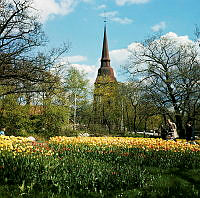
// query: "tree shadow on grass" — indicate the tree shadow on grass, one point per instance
point(175, 182)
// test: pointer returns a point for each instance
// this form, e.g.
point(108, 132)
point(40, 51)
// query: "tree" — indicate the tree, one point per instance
point(22, 66)
point(169, 71)
point(55, 117)
point(137, 111)
point(76, 86)
point(106, 103)
point(46, 112)
point(130, 100)
point(13, 116)
point(20, 31)
point(28, 73)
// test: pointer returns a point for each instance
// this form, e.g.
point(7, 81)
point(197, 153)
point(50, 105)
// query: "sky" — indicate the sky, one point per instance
point(81, 23)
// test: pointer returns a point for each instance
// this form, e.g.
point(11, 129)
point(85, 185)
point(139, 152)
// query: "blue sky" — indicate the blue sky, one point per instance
point(81, 23)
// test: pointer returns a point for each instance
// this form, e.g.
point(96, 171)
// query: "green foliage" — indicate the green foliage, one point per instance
point(77, 88)
point(54, 119)
point(49, 119)
point(14, 117)
point(107, 107)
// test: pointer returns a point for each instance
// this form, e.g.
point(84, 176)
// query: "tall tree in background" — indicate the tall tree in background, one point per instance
point(107, 107)
point(56, 113)
point(137, 112)
point(169, 70)
point(76, 86)
point(129, 105)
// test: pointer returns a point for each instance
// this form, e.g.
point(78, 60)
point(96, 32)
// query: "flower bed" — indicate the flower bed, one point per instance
point(98, 167)
point(126, 142)
point(23, 145)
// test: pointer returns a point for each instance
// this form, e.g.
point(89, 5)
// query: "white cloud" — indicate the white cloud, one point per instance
point(172, 43)
point(123, 2)
point(135, 46)
point(119, 57)
point(109, 14)
point(49, 8)
point(159, 27)
point(179, 40)
point(103, 6)
point(122, 20)
point(75, 59)
point(182, 41)
point(87, 1)
point(90, 70)
point(113, 17)
point(174, 36)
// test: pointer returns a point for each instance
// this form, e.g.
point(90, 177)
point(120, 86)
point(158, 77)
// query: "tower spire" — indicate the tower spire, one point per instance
point(105, 59)
point(105, 69)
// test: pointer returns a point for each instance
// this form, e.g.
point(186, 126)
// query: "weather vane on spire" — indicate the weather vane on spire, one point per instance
point(105, 18)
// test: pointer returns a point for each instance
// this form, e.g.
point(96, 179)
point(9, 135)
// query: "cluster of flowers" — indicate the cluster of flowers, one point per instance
point(23, 145)
point(127, 142)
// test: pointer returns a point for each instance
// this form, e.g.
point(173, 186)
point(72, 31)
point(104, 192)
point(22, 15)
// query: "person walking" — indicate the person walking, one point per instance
point(189, 132)
point(173, 129)
point(2, 131)
point(164, 132)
